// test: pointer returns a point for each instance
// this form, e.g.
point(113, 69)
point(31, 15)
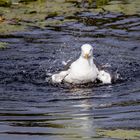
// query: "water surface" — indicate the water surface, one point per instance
point(31, 108)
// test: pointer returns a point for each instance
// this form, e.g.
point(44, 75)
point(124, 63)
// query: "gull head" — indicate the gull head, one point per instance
point(86, 51)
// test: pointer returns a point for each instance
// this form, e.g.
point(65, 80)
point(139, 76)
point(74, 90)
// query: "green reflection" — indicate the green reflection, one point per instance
point(3, 45)
point(5, 3)
point(42, 13)
point(98, 2)
point(120, 134)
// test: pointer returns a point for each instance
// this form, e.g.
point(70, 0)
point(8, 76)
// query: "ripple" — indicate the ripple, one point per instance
point(32, 108)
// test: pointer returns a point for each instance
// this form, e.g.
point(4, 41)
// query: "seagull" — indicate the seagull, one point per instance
point(81, 71)
point(85, 70)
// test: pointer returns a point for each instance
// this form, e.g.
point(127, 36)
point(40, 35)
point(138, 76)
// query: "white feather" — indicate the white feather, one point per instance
point(104, 77)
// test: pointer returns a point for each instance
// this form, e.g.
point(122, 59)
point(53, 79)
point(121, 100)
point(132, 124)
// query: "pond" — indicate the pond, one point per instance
point(33, 109)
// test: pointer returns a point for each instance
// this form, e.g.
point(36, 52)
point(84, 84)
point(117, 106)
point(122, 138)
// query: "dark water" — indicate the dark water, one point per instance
point(31, 108)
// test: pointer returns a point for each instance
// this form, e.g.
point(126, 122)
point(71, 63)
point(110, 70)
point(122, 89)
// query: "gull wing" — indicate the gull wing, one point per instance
point(68, 64)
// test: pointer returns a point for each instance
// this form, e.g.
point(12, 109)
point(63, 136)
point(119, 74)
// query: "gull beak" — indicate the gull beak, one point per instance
point(86, 56)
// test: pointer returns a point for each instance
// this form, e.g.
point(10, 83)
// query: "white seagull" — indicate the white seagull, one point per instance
point(83, 70)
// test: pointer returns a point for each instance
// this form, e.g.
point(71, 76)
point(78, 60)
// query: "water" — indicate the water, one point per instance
point(31, 108)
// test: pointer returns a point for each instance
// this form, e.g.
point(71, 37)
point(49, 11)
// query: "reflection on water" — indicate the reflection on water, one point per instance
point(125, 6)
point(31, 108)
